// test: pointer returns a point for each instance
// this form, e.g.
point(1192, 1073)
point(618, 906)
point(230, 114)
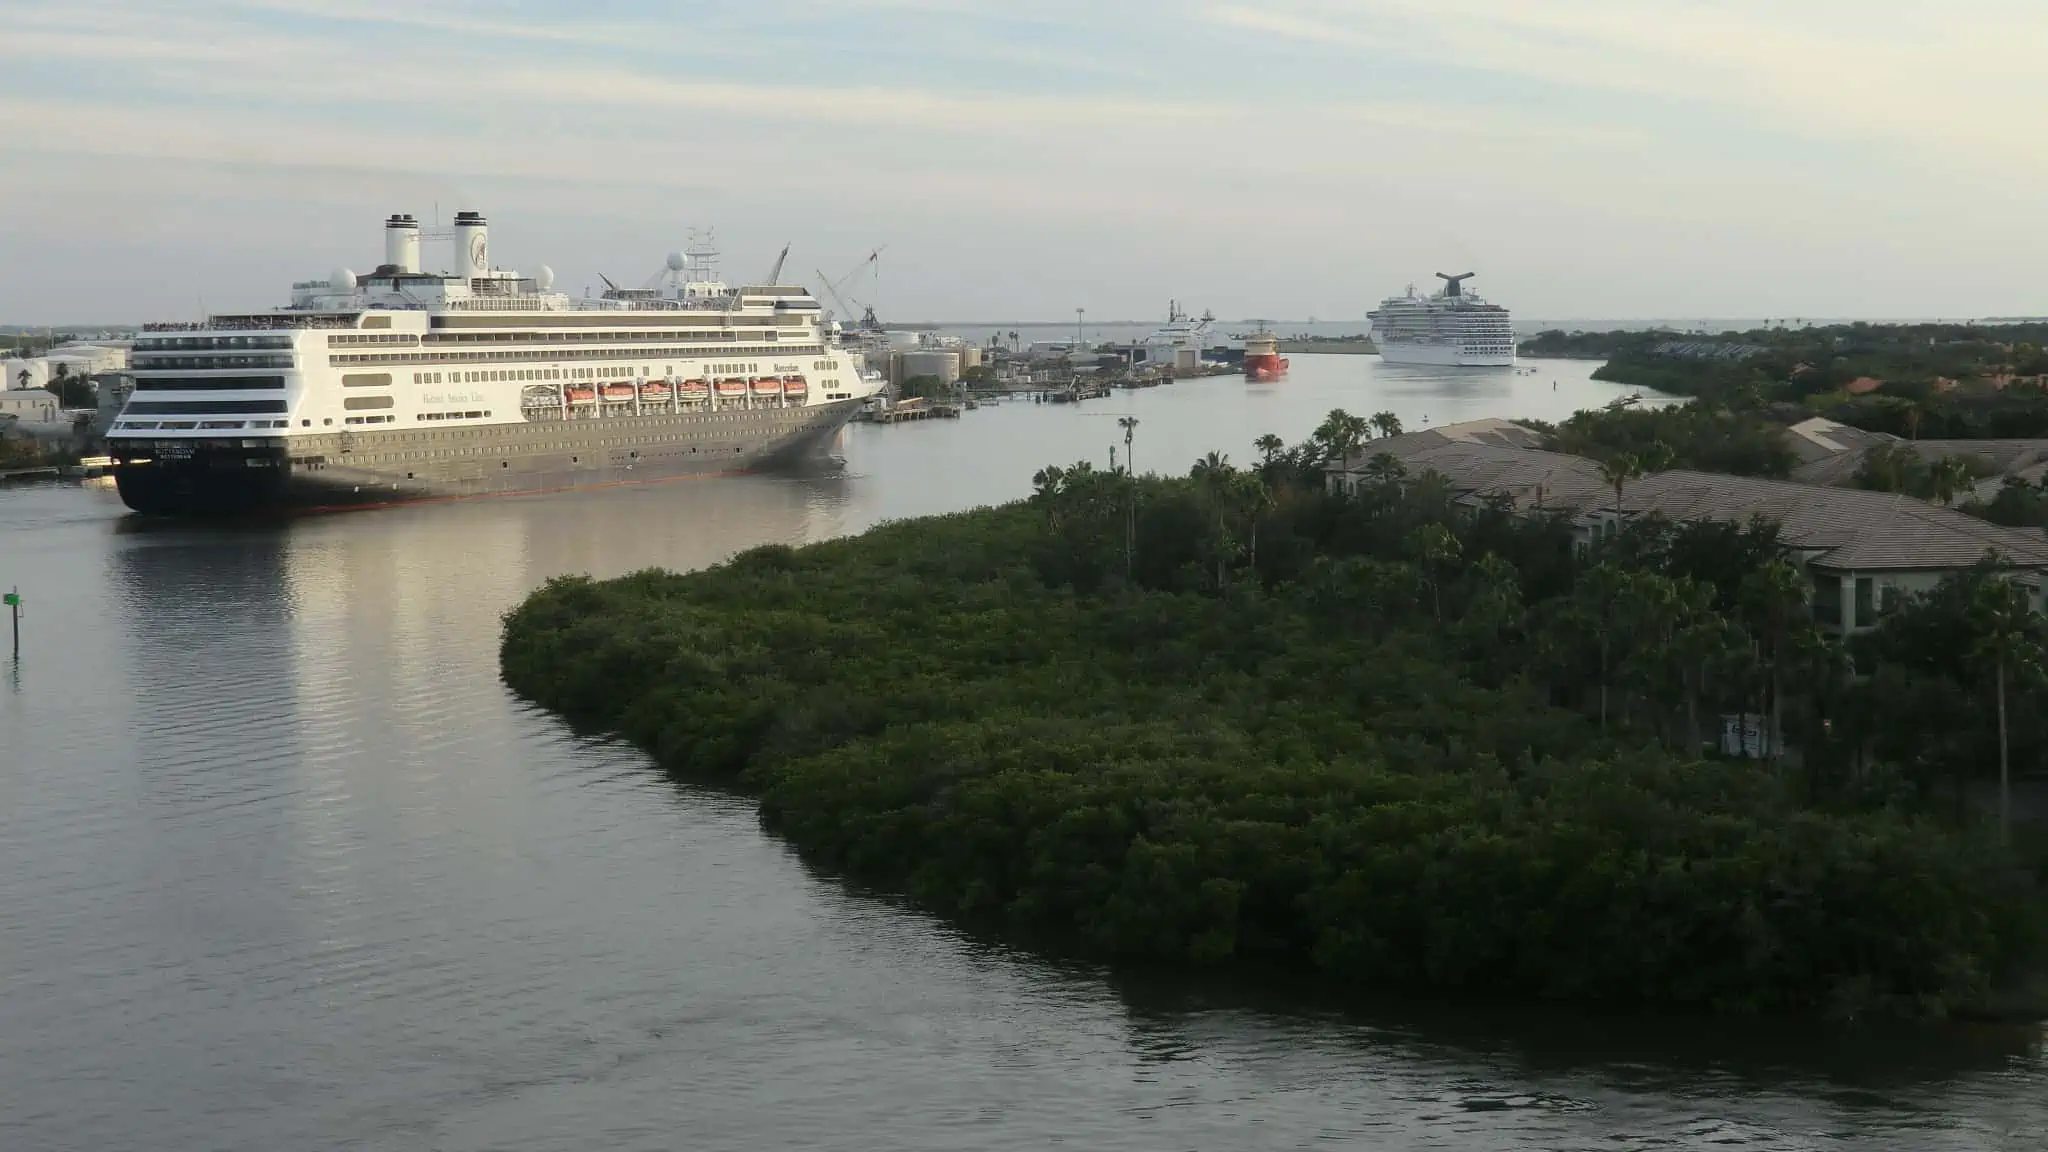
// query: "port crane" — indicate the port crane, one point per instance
point(868, 321)
point(775, 273)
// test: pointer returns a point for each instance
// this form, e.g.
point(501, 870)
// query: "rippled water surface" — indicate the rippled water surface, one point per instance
point(282, 866)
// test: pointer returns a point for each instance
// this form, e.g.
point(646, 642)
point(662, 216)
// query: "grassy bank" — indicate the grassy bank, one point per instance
point(1286, 737)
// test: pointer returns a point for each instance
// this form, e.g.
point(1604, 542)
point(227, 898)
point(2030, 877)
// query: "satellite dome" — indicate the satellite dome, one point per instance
point(675, 261)
point(342, 280)
point(545, 278)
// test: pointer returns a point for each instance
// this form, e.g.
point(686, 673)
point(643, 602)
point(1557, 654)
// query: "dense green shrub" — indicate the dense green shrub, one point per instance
point(1349, 758)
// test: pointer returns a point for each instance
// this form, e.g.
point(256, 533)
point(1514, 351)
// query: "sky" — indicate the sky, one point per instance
point(1268, 158)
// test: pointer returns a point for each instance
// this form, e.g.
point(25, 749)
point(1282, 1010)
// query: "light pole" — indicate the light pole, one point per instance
point(1080, 341)
point(1130, 426)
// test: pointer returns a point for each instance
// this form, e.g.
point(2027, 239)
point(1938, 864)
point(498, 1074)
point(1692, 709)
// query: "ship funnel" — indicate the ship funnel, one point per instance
point(402, 243)
point(1455, 285)
point(472, 245)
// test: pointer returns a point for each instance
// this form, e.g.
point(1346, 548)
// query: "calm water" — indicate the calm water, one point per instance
point(283, 867)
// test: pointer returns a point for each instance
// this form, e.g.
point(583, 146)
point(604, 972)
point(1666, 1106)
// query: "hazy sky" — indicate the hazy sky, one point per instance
point(1276, 158)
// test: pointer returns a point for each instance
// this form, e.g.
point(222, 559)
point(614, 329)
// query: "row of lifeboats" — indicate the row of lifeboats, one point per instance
point(688, 391)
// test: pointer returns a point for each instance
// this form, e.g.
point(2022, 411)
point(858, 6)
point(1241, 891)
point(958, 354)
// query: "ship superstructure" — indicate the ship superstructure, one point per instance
point(405, 384)
point(1453, 327)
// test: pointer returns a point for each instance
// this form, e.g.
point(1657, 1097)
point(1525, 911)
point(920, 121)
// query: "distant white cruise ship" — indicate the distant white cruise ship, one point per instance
point(1453, 327)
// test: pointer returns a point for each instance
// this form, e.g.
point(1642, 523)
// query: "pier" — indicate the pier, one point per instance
point(910, 410)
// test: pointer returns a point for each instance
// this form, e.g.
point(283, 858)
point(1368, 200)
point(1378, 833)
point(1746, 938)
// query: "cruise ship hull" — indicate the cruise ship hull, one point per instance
point(1442, 354)
point(221, 476)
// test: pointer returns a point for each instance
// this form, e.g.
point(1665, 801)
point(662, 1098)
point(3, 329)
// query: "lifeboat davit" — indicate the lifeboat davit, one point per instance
point(654, 390)
point(732, 386)
point(617, 392)
point(582, 395)
point(794, 386)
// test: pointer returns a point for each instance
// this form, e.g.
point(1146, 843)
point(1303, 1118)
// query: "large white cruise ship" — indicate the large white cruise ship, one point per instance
point(403, 385)
point(1453, 327)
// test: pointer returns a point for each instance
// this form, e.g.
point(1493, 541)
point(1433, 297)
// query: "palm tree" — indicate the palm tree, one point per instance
point(2009, 638)
point(1437, 548)
point(1213, 476)
point(1949, 474)
point(1340, 434)
point(1269, 448)
point(1386, 424)
point(1777, 595)
point(1046, 488)
point(21, 379)
point(1251, 498)
point(1385, 468)
point(1618, 471)
point(1658, 457)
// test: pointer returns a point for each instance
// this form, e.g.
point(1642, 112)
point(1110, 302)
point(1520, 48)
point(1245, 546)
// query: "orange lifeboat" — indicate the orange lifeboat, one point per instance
point(654, 390)
point(732, 386)
point(767, 386)
point(693, 389)
point(618, 392)
point(582, 395)
point(794, 386)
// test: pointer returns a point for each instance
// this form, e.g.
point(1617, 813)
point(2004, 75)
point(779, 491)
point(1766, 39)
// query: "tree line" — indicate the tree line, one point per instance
point(1233, 716)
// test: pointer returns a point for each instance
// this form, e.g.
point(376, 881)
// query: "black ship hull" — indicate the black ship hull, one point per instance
point(235, 476)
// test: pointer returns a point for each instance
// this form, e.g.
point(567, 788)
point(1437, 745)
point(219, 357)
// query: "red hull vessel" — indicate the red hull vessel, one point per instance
point(1262, 360)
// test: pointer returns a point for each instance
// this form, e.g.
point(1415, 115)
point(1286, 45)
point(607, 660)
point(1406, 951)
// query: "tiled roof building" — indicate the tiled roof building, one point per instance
point(1860, 547)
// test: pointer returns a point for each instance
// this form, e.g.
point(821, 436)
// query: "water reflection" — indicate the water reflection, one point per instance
point(282, 865)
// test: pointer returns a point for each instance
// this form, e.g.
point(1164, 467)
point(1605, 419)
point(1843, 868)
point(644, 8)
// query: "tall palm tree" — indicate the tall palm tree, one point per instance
point(1949, 474)
point(1778, 595)
point(1437, 548)
point(1251, 498)
point(1269, 448)
point(1215, 479)
point(1386, 424)
point(1617, 472)
point(2009, 639)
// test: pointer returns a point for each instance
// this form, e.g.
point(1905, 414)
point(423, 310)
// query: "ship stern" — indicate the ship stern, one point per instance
point(204, 476)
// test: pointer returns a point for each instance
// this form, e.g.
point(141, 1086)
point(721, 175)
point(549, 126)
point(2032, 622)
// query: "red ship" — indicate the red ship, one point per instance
point(1262, 359)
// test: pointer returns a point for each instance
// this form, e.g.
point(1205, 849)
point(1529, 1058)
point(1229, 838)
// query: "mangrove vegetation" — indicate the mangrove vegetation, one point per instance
point(1404, 743)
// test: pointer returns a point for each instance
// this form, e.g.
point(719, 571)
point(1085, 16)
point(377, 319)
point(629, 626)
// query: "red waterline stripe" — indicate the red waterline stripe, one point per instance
point(319, 509)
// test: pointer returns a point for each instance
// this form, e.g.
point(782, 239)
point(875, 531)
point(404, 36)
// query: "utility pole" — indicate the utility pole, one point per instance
point(13, 602)
point(1080, 341)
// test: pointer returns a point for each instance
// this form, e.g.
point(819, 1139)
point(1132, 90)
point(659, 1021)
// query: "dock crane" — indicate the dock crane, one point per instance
point(832, 289)
point(775, 273)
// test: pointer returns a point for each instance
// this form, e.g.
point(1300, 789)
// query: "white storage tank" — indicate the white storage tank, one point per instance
point(944, 365)
point(970, 357)
point(37, 374)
